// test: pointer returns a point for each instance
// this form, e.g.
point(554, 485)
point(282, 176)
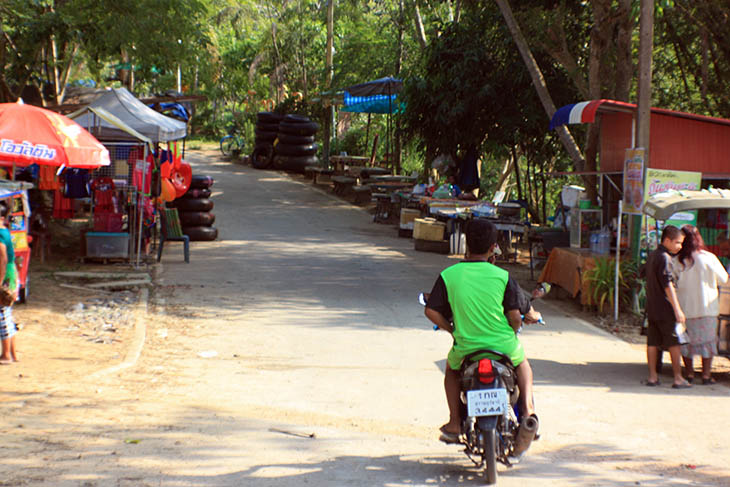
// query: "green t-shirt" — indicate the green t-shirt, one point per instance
point(6, 239)
point(476, 292)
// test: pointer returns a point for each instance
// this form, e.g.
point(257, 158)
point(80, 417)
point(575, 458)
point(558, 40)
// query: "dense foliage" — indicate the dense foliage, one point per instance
point(465, 82)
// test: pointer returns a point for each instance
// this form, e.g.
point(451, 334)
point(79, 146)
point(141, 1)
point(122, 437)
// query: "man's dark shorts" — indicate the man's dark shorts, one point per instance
point(661, 334)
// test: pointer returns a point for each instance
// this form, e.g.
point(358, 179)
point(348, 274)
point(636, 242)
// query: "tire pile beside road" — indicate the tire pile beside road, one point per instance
point(267, 128)
point(194, 209)
point(295, 148)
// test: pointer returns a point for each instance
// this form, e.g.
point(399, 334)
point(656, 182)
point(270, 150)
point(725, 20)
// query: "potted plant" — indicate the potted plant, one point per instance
point(601, 281)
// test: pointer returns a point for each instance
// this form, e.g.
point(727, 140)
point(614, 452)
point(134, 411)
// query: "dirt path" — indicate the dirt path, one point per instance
point(292, 352)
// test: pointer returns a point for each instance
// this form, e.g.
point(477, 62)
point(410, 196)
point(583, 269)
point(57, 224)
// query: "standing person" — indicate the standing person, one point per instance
point(9, 277)
point(662, 307)
point(699, 273)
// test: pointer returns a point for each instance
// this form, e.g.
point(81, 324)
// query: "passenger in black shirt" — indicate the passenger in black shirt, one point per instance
point(662, 307)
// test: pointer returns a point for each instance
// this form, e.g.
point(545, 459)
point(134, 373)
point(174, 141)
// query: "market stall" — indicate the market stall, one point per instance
point(132, 132)
point(33, 136)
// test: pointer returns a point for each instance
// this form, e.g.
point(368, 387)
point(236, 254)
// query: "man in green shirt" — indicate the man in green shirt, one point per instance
point(486, 307)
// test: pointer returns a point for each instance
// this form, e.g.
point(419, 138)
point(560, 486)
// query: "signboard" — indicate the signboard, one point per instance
point(658, 181)
point(633, 181)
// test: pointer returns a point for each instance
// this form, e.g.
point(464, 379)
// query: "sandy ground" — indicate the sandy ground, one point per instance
point(292, 352)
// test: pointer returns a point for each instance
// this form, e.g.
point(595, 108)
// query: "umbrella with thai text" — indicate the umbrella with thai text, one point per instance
point(34, 135)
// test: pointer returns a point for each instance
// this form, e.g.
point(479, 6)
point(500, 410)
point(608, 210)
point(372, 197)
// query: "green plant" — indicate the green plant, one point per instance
point(602, 281)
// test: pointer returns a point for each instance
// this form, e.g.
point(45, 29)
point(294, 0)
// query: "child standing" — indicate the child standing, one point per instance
point(9, 277)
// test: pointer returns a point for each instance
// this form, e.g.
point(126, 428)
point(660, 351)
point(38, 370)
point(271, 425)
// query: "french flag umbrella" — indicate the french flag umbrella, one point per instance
point(583, 112)
point(34, 135)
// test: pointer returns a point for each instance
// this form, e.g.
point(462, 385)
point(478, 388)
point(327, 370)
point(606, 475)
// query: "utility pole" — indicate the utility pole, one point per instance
point(646, 46)
point(643, 112)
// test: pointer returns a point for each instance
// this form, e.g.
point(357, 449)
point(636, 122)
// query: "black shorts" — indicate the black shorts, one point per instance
point(661, 334)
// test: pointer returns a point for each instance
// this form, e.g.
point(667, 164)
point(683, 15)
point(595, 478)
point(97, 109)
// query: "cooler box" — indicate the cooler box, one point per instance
point(407, 217)
point(107, 245)
point(428, 229)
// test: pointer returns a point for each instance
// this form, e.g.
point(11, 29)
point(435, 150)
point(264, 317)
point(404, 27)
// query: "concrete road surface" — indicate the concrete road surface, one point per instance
point(319, 332)
point(292, 352)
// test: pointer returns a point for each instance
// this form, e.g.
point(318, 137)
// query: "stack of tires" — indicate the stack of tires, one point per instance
point(295, 148)
point(267, 128)
point(194, 208)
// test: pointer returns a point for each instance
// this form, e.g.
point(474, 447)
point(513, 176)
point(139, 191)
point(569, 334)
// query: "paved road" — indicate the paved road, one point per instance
point(292, 352)
point(318, 321)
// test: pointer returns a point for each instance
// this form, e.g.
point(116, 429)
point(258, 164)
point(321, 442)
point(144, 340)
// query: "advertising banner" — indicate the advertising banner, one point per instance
point(633, 181)
point(658, 181)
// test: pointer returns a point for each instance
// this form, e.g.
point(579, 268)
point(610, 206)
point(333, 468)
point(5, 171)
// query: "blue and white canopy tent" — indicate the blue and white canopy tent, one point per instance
point(377, 96)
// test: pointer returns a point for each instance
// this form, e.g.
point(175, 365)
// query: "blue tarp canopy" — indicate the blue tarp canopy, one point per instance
point(372, 104)
point(377, 96)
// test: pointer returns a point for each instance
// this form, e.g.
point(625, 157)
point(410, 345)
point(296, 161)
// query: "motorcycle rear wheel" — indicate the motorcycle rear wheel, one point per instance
point(489, 457)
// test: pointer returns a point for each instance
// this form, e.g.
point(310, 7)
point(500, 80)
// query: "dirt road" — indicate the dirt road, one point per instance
point(292, 352)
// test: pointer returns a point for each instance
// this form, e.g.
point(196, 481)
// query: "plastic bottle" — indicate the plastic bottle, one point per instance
point(593, 239)
point(604, 241)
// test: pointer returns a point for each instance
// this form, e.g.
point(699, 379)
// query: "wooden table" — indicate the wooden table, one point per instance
point(339, 162)
point(567, 267)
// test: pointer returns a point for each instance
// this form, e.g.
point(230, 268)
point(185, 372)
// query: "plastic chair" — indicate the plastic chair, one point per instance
point(172, 230)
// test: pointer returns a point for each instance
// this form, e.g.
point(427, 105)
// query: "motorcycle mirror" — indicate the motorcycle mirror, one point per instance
point(422, 299)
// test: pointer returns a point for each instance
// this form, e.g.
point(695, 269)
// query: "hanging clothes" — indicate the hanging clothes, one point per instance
point(76, 183)
point(62, 207)
point(47, 179)
point(104, 200)
point(142, 176)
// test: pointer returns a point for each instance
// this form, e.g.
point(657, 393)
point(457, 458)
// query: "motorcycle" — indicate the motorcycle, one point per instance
point(492, 427)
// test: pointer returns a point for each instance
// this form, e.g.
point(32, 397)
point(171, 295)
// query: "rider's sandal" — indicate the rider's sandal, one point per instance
point(448, 437)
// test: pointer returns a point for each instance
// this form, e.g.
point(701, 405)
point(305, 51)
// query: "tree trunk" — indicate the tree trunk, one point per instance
point(420, 30)
point(516, 160)
point(539, 82)
point(329, 76)
point(624, 63)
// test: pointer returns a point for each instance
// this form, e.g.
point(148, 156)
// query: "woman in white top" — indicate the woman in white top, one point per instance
point(699, 273)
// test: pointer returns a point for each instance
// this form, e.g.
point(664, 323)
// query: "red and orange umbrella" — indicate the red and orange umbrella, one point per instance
point(34, 135)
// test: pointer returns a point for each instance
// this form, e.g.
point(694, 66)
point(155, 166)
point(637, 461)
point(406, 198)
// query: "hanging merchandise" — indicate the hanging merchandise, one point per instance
point(62, 206)
point(167, 190)
point(142, 175)
point(104, 199)
point(47, 179)
point(181, 178)
point(76, 183)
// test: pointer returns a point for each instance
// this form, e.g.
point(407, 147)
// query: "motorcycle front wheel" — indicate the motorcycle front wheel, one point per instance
point(489, 456)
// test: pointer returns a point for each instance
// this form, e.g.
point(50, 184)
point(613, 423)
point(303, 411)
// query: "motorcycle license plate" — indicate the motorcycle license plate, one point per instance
point(486, 402)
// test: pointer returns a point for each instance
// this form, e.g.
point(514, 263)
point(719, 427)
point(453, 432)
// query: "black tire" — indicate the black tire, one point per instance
point(201, 182)
point(201, 234)
point(296, 150)
point(262, 156)
point(269, 117)
point(267, 127)
point(193, 204)
point(196, 218)
point(295, 163)
point(489, 457)
point(294, 118)
point(196, 193)
point(265, 134)
point(295, 139)
point(309, 128)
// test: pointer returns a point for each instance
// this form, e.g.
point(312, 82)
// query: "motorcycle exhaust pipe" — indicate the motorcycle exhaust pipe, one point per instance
point(525, 434)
